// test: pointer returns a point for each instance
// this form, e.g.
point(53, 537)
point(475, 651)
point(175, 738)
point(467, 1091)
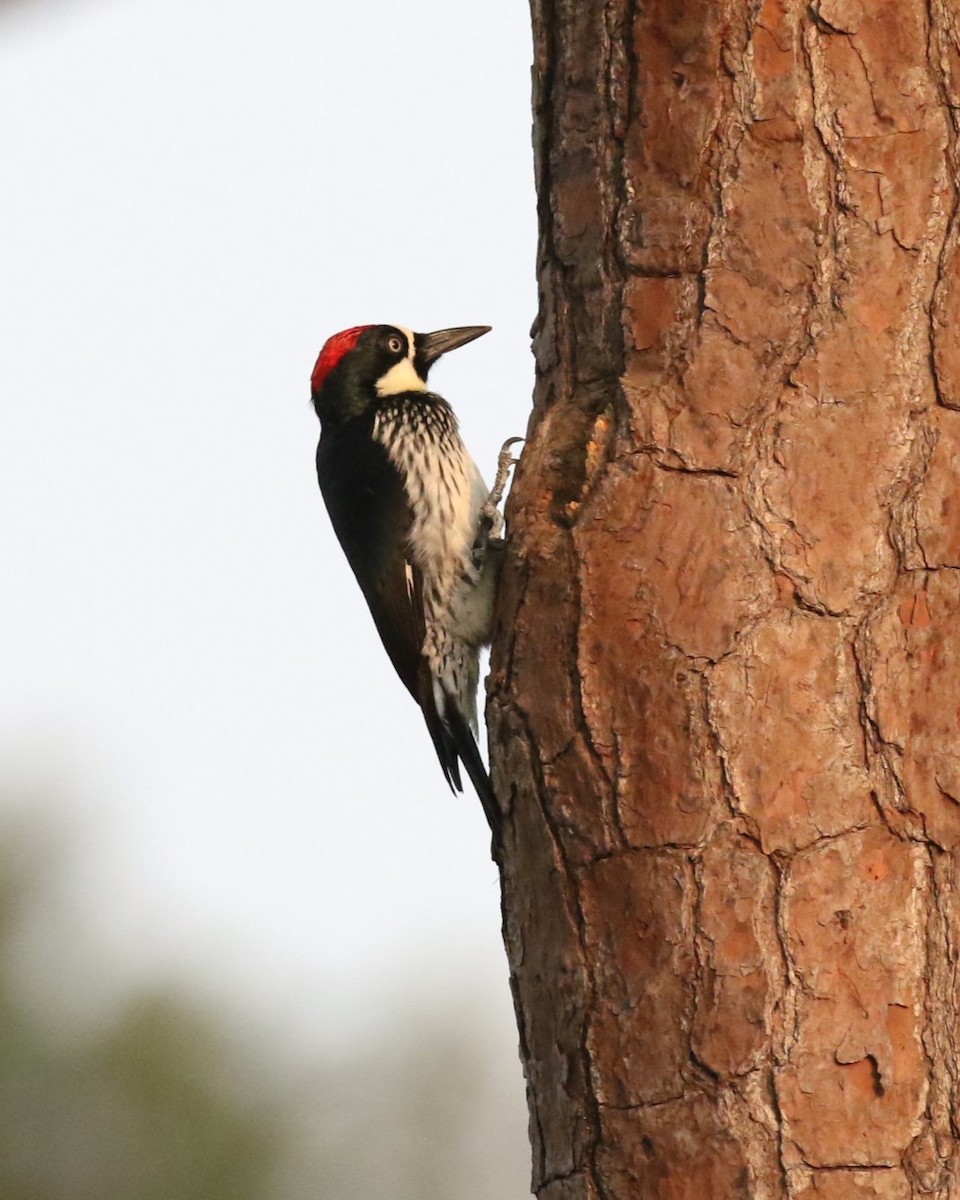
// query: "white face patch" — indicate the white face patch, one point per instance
point(402, 376)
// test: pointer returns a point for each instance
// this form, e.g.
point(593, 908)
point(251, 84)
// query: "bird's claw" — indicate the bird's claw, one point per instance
point(490, 524)
point(489, 512)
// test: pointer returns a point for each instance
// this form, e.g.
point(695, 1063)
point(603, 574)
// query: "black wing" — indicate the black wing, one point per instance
point(368, 508)
point(370, 513)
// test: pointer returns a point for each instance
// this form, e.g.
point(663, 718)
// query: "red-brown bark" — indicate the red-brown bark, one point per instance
point(725, 705)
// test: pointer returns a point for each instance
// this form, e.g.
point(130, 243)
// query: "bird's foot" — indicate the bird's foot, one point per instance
point(490, 523)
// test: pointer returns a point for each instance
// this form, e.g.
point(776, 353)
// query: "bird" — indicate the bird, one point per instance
point(416, 522)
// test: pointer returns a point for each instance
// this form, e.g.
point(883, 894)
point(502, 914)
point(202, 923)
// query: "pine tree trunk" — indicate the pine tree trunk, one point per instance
point(725, 707)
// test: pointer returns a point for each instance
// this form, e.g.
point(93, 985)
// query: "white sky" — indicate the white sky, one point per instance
point(195, 196)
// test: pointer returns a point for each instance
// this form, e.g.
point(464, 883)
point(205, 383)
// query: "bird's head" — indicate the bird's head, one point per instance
point(362, 364)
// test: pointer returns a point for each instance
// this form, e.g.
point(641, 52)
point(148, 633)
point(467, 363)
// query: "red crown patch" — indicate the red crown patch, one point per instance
point(334, 348)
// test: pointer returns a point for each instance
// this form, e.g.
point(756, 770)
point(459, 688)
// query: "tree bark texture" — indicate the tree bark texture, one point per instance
point(725, 695)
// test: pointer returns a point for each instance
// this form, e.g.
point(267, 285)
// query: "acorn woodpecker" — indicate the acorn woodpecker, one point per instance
point(415, 520)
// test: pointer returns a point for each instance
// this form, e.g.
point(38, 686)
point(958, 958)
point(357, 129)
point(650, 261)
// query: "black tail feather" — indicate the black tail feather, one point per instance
point(454, 743)
point(465, 747)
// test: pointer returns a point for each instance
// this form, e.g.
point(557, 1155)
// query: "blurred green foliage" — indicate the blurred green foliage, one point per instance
point(139, 1109)
point(159, 1102)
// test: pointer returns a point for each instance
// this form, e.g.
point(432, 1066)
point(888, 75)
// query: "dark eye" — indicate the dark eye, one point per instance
point(394, 344)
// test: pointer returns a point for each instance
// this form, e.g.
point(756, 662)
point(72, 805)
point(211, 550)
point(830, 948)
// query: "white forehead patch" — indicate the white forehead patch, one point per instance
point(402, 376)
